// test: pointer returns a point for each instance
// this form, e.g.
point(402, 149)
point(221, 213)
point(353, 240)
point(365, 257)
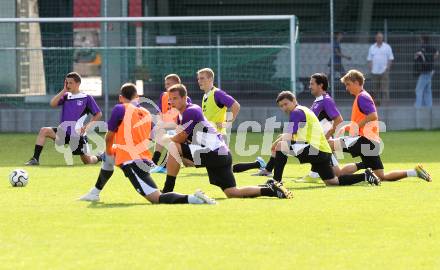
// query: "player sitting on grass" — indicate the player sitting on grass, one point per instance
point(128, 139)
point(306, 141)
point(76, 106)
point(199, 144)
point(364, 140)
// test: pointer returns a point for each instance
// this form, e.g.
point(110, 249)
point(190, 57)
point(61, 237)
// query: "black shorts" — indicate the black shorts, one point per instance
point(218, 166)
point(324, 169)
point(139, 176)
point(321, 161)
point(311, 155)
point(367, 150)
point(81, 148)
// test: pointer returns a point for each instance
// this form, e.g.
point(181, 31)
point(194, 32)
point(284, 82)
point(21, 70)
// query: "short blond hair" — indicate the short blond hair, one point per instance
point(354, 75)
point(207, 71)
point(173, 77)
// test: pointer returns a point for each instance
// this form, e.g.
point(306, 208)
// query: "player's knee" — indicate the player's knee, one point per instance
point(380, 174)
point(153, 197)
point(336, 170)
point(44, 131)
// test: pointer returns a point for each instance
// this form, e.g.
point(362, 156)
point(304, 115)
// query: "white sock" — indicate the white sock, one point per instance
point(194, 200)
point(411, 173)
point(96, 191)
point(314, 174)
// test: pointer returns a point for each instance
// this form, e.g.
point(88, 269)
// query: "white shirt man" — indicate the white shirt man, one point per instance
point(379, 55)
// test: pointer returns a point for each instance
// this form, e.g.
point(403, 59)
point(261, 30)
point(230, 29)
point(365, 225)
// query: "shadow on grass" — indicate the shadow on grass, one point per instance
point(306, 188)
point(195, 174)
point(99, 205)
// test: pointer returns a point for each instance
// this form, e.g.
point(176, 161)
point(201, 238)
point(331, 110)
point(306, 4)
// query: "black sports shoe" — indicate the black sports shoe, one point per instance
point(371, 178)
point(279, 189)
point(32, 162)
point(269, 182)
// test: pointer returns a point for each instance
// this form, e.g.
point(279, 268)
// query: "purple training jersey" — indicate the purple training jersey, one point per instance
point(222, 99)
point(365, 103)
point(75, 108)
point(324, 107)
point(116, 117)
point(296, 117)
point(193, 119)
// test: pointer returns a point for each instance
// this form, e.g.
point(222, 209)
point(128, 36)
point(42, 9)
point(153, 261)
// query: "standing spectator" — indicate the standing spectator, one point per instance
point(380, 57)
point(424, 68)
point(338, 68)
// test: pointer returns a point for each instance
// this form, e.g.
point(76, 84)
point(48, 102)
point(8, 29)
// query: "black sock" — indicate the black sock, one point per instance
point(280, 163)
point(269, 165)
point(173, 198)
point(37, 151)
point(99, 157)
point(156, 157)
point(350, 179)
point(266, 191)
point(360, 166)
point(241, 167)
point(103, 177)
point(169, 184)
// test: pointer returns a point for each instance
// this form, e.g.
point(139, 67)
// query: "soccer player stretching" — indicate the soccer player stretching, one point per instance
point(128, 139)
point(199, 144)
point(168, 117)
point(75, 108)
point(306, 141)
point(364, 140)
point(325, 109)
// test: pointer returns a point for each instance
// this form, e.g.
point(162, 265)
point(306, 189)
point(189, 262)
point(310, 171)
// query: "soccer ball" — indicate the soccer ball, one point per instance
point(19, 178)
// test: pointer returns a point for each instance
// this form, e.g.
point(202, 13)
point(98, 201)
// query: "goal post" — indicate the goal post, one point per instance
point(253, 55)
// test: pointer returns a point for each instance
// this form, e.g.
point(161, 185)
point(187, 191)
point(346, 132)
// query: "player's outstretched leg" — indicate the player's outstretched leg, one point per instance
point(105, 174)
point(143, 183)
point(259, 163)
point(418, 171)
point(351, 179)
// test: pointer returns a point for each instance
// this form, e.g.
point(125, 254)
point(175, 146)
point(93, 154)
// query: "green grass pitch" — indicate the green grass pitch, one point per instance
point(394, 226)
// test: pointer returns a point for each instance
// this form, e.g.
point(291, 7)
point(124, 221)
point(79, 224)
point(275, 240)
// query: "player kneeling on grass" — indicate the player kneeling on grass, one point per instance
point(128, 140)
point(364, 141)
point(324, 107)
point(306, 141)
point(197, 143)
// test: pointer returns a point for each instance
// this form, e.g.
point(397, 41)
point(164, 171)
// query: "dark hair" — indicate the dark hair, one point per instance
point(180, 88)
point(129, 91)
point(321, 78)
point(75, 76)
point(425, 38)
point(285, 95)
